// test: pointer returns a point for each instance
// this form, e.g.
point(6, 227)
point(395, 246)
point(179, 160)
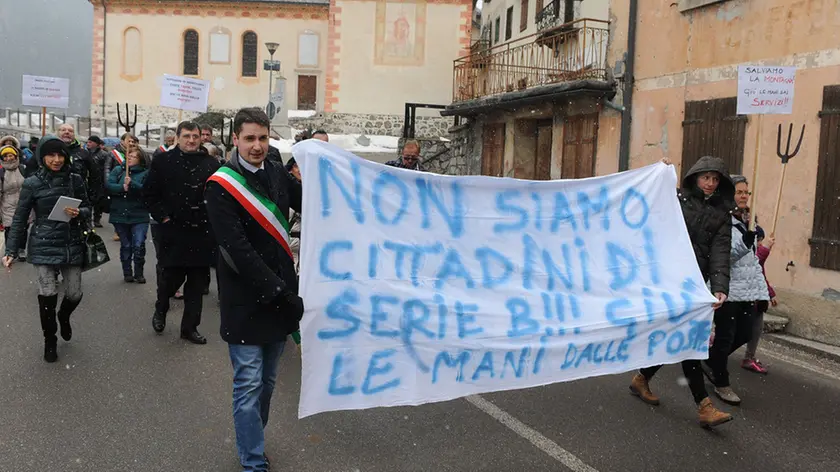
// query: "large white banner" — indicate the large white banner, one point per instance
point(423, 288)
point(184, 93)
point(50, 92)
point(765, 90)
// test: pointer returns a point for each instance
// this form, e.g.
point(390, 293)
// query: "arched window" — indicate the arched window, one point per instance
point(190, 52)
point(132, 57)
point(249, 54)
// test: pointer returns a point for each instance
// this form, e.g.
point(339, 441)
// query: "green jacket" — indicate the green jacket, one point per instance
point(127, 207)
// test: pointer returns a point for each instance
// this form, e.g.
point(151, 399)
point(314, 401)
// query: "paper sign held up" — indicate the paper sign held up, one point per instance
point(765, 90)
point(422, 288)
point(50, 92)
point(184, 93)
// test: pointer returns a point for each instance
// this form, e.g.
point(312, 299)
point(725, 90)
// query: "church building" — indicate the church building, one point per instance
point(351, 60)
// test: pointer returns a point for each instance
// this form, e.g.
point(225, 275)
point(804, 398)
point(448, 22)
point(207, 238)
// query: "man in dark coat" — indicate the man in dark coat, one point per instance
point(96, 149)
point(258, 286)
point(82, 163)
point(410, 158)
point(707, 197)
point(174, 195)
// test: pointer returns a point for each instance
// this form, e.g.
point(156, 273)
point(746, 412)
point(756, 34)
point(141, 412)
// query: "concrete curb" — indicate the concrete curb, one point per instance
point(822, 350)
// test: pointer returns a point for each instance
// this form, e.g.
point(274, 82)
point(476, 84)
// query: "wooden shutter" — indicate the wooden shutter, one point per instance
point(509, 23)
point(523, 15)
point(493, 150)
point(538, 7)
point(249, 54)
point(191, 52)
point(825, 236)
point(712, 128)
point(580, 136)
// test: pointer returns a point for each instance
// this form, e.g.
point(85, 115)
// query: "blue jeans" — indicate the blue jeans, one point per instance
point(132, 247)
point(254, 376)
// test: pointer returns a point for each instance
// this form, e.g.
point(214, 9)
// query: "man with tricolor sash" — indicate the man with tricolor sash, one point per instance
point(248, 201)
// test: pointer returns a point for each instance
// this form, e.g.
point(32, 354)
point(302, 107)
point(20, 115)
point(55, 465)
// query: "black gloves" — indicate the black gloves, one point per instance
point(749, 238)
point(290, 303)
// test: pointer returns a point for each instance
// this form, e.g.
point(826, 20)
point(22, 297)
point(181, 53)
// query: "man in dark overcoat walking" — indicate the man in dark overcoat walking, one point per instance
point(174, 195)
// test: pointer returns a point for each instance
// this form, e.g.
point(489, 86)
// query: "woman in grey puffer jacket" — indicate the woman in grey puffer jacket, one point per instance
point(733, 321)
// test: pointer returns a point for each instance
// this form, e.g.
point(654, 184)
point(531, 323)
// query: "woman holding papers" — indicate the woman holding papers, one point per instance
point(129, 214)
point(56, 240)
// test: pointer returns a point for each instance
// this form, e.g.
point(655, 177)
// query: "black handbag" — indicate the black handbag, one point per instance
point(96, 253)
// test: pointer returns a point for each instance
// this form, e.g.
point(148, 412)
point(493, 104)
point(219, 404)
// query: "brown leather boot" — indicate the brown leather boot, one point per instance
point(709, 416)
point(639, 387)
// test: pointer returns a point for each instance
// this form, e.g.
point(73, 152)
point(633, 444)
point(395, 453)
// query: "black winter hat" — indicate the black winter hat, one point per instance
point(96, 139)
point(52, 146)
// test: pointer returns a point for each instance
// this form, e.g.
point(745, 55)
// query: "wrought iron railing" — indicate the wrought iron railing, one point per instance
point(577, 51)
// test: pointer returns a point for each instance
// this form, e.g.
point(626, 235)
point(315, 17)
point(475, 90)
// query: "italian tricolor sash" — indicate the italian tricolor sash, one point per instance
point(162, 148)
point(118, 156)
point(259, 207)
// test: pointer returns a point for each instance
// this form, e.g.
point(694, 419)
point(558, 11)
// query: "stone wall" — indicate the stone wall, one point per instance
point(335, 123)
point(373, 125)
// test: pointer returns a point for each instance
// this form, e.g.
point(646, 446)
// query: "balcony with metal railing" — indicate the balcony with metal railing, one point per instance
point(576, 51)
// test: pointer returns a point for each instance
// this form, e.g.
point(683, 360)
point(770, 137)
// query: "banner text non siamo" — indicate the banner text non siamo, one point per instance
point(422, 288)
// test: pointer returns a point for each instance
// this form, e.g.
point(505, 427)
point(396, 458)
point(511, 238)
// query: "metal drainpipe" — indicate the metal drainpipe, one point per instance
point(629, 84)
point(104, 55)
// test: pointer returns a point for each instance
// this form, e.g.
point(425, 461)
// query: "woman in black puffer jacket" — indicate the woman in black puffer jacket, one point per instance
point(54, 246)
point(707, 197)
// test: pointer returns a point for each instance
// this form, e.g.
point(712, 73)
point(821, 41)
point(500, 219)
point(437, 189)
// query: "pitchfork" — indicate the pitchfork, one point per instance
point(125, 124)
point(785, 157)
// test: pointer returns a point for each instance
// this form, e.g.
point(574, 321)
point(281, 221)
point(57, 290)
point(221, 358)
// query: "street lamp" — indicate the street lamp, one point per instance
point(272, 48)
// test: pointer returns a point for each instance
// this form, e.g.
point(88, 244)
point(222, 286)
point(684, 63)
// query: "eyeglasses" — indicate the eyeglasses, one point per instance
point(743, 193)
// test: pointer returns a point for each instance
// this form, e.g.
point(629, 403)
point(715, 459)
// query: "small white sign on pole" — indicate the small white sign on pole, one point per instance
point(765, 90)
point(51, 92)
point(184, 93)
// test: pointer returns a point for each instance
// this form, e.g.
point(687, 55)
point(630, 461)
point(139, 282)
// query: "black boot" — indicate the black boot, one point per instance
point(67, 307)
point(158, 322)
point(46, 307)
point(138, 271)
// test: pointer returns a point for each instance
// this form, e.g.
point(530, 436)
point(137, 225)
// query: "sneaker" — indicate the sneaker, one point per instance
point(754, 365)
point(728, 395)
point(129, 279)
point(140, 279)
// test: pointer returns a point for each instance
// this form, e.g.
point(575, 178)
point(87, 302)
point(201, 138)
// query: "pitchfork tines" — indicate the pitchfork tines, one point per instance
point(787, 155)
point(128, 123)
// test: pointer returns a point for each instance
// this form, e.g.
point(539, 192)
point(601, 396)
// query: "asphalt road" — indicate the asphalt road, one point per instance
point(121, 398)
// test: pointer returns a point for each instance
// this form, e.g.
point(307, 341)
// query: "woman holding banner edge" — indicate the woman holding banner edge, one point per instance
point(707, 197)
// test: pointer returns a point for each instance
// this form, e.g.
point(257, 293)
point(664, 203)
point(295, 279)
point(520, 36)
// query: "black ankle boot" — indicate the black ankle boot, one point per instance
point(46, 305)
point(67, 307)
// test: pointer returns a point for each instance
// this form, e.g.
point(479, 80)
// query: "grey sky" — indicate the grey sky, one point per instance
point(46, 37)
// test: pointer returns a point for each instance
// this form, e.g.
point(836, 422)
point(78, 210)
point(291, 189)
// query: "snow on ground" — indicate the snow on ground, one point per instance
point(301, 113)
point(387, 144)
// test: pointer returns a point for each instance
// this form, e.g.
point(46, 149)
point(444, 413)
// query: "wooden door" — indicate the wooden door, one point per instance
point(544, 142)
point(580, 137)
point(493, 150)
point(307, 92)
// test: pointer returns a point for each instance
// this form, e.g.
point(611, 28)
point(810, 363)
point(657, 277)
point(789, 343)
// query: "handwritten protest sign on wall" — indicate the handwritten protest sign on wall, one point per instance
point(765, 90)
point(184, 93)
point(422, 288)
point(50, 92)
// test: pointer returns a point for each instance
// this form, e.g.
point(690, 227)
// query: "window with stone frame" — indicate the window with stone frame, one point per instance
point(249, 54)
point(190, 52)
